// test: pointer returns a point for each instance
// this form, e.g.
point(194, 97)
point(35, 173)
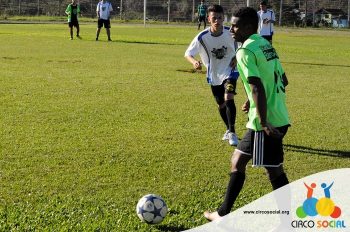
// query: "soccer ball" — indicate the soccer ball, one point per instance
point(151, 209)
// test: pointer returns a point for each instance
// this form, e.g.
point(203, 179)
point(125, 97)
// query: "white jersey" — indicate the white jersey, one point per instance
point(216, 53)
point(266, 29)
point(104, 10)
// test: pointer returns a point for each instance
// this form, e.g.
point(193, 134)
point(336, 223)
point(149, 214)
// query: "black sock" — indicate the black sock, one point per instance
point(234, 187)
point(223, 115)
point(279, 182)
point(231, 114)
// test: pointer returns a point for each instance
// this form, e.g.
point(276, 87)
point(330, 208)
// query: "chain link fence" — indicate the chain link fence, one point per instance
point(293, 12)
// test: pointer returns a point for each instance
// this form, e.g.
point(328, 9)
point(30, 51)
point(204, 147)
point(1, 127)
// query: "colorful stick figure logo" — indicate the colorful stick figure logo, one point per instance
point(323, 206)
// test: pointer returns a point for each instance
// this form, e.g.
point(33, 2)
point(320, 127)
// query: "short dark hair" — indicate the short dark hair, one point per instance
point(215, 8)
point(248, 16)
point(263, 3)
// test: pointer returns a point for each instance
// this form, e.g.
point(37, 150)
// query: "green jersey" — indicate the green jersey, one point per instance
point(202, 10)
point(72, 12)
point(257, 58)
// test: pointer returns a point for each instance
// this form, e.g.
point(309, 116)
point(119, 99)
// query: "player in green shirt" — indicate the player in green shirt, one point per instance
point(202, 14)
point(265, 84)
point(72, 11)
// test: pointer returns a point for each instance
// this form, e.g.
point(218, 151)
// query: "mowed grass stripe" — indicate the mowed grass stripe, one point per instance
point(88, 127)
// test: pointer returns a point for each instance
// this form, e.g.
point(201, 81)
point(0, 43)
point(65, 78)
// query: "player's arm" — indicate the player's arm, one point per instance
point(98, 10)
point(68, 10)
point(245, 107)
point(78, 8)
point(195, 63)
point(233, 63)
point(259, 97)
point(272, 19)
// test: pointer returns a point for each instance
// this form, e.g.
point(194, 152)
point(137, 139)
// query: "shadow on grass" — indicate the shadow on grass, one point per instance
point(168, 228)
point(302, 149)
point(146, 42)
point(191, 71)
point(315, 64)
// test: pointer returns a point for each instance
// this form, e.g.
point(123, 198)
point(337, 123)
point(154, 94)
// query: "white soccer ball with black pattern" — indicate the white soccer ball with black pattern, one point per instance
point(151, 209)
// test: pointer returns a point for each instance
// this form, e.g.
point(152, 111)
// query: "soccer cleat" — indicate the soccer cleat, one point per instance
point(232, 139)
point(225, 137)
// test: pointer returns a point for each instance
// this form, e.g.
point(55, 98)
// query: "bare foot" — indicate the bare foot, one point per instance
point(211, 216)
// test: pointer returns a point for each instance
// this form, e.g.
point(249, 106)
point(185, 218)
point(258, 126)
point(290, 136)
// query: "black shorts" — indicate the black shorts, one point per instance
point(73, 23)
point(201, 18)
point(267, 37)
point(228, 86)
point(265, 150)
point(104, 22)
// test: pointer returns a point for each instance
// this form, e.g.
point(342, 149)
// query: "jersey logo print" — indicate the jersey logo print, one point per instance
point(269, 52)
point(219, 53)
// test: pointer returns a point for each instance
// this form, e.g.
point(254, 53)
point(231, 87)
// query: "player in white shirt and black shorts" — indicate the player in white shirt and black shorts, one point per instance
point(266, 20)
point(103, 11)
point(217, 49)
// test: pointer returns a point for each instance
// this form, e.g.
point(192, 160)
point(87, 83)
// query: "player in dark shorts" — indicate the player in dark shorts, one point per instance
point(103, 11)
point(265, 84)
point(106, 23)
point(72, 11)
point(216, 49)
point(202, 15)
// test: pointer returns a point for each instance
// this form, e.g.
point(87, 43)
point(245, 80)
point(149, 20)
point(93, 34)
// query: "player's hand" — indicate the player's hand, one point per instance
point(197, 65)
point(266, 21)
point(272, 131)
point(245, 107)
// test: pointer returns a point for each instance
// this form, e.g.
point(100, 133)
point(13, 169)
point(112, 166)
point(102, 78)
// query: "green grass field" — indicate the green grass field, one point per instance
point(87, 128)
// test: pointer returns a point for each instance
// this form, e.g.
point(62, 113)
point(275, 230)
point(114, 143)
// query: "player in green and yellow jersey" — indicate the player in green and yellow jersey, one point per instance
point(265, 84)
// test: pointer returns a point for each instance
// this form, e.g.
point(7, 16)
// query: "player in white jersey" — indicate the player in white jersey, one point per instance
point(103, 11)
point(217, 49)
point(266, 21)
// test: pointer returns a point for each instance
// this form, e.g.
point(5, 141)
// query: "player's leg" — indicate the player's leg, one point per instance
point(99, 25)
point(278, 179)
point(219, 93)
point(273, 157)
point(239, 161)
point(78, 30)
point(235, 184)
point(234, 187)
point(98, 33)
point(230, 91)
point(70, 24)
point(268, 38)
point(199, 22)
point(108, 26)
point(108, 34)
point(204, 22)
